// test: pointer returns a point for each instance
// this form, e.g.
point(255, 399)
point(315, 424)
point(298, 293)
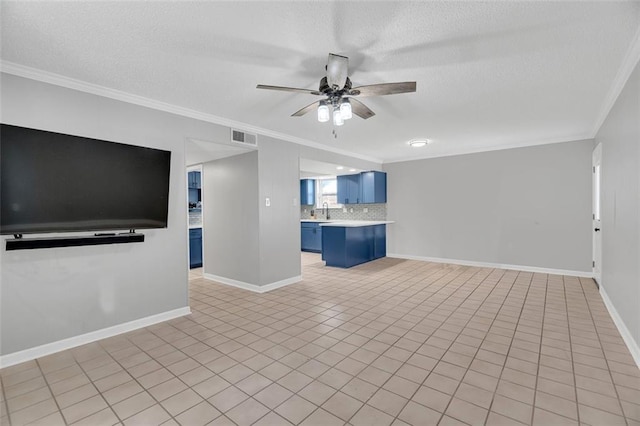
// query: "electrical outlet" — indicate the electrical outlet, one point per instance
point(267, 202)
point(351, 210)
point(365, 210)
point(344, 210)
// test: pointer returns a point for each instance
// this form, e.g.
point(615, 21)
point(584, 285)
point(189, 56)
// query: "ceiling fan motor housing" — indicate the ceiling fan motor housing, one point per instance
point(327, 90)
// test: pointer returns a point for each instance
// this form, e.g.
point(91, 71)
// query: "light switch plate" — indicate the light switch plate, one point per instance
point(267, 202)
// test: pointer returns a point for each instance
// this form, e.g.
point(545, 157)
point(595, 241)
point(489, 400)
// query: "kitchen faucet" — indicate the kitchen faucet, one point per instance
point(326, 215)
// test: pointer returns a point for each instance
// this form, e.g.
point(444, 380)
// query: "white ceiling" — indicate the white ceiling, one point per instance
point(198, 152)
point(313, 168)
point(489, 75)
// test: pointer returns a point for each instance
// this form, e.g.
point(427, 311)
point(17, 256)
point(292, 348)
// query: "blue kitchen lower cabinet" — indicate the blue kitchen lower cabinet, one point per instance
point(345, 246)
point(195, 248)
point(379, 241)
point(311, 237)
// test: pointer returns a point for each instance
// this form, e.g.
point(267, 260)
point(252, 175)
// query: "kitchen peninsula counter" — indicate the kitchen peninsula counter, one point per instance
point(346, 243)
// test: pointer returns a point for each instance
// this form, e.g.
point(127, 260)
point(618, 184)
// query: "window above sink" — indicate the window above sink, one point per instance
point(327, 192)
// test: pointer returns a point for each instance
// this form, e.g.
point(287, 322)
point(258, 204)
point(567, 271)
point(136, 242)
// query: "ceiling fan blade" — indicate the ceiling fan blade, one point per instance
point(288, 89)
point(305, 110)
point(383, 89)
point(360, 109)
point(337, 71)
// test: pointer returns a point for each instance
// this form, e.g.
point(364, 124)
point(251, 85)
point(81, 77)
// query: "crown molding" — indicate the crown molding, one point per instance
point(95, 89)
point(629, 62)
point(476, 150)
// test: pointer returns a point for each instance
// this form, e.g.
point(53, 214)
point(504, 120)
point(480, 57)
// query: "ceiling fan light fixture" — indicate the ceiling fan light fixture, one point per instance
point(345, 109)
point(323, 112)
point(337, 117)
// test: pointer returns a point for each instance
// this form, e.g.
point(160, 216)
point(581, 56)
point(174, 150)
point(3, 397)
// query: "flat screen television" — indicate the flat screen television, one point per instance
point(52, 182)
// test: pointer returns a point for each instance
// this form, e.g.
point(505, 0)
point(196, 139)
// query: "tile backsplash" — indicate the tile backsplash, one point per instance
point(375, 212)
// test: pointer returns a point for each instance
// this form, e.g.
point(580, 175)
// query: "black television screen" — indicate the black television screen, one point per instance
point(52, 182)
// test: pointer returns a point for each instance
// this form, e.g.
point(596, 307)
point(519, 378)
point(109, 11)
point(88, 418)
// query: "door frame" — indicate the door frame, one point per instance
point(596, 210)
point(195, 168)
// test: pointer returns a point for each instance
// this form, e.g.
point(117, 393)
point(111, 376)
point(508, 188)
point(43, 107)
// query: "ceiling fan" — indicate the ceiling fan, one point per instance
point(340, 95)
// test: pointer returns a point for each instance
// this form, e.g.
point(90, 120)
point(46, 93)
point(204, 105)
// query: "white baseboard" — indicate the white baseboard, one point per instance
point(523, 268)
point(253, 287)
point(72, 342)
point(622, 328)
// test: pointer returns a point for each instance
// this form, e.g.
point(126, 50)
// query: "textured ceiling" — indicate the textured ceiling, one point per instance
point(488, 74)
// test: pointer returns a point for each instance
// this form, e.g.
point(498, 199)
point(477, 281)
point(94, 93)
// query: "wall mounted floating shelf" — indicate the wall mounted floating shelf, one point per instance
point(85, 240)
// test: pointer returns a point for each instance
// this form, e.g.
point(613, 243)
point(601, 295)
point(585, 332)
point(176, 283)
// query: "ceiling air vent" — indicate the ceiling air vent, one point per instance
point(244, 138)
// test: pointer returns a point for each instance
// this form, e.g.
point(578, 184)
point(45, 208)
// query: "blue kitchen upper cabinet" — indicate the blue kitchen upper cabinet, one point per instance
point(307, 192)
point(194, 180)
point(349, 189)
point(373, 187)
point(363, 188)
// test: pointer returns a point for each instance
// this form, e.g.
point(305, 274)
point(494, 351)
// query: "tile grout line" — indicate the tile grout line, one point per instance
point(573, 369)
point(439, 360)
point(606, 360)
point(393, 305)
point(524, 301)
point(462, 272)
point(544, 314)
point(513, 285)
point(414, 352)
point(347, 356)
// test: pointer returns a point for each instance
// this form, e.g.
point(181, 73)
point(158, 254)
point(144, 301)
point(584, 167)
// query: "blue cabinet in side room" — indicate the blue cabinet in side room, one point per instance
point(307, 192)
point(195, 248)
point(349, 189)
point(194, 180)
point(311, 237)
point(373, 187)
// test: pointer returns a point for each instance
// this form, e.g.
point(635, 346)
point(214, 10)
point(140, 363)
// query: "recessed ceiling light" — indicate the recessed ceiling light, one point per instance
point(353, 170)
point(417, 143)
point(339, 167)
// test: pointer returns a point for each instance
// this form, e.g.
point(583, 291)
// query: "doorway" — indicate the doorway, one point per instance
point(200, 155)
point(597, 209)
point(194, 190)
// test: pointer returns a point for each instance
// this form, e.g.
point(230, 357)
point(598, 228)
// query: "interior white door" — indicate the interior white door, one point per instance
point(597, 220)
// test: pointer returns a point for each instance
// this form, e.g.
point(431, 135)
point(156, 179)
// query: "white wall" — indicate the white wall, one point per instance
point(231, 238)
point(279, 172)
point(53, 294)
point(524, 207)
point(620, 138)
point(247, 243)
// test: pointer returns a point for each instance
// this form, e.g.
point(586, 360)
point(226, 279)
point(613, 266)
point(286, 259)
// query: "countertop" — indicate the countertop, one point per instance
point(349, 223)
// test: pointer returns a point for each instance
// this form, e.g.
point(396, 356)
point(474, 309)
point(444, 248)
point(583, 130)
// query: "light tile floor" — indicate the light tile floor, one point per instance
point(389, 342)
